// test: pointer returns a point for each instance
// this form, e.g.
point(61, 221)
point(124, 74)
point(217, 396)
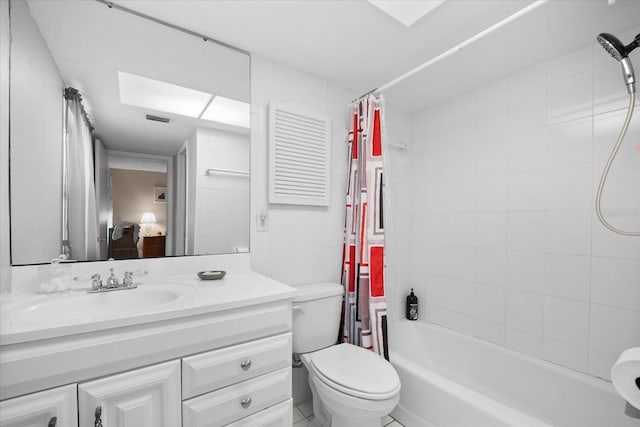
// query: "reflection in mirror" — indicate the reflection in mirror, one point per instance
point(165, 167)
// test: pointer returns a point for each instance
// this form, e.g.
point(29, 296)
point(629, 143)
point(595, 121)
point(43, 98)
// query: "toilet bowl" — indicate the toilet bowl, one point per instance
point(351, 386)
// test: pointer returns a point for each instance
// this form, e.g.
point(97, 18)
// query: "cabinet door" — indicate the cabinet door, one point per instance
point(56, 407)
point(147, 397)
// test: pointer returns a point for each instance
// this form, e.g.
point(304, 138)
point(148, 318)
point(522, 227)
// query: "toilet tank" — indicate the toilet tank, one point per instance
point(316, 316)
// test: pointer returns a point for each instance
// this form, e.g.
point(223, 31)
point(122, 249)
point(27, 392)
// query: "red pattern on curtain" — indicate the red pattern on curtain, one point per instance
point(365, 308)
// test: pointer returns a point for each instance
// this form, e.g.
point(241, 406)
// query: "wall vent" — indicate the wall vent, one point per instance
point(158, 118)
point(299, 156)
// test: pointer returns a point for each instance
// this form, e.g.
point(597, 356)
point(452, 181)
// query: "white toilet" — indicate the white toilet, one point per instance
point(351, 386)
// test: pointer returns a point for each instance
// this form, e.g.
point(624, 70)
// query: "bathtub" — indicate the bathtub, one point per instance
point(453, 380)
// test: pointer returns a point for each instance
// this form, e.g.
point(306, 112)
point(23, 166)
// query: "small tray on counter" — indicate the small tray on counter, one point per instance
point(211, 274)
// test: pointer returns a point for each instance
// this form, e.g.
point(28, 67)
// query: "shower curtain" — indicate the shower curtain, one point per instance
point(80, 224)
point(365, 308)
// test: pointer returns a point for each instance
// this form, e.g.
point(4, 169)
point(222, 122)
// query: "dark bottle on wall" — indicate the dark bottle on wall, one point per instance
point(412, 306)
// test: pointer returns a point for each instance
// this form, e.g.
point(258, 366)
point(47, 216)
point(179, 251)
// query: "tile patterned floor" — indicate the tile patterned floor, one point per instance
point(303, 414)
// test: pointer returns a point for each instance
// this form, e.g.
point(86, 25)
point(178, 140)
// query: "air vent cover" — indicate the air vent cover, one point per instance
point(299, 156)
point(158, 118)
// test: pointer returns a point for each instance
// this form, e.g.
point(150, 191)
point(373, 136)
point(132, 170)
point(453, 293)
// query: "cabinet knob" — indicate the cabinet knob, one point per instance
point(246, 364)
point(52, 422)
point(246, 402)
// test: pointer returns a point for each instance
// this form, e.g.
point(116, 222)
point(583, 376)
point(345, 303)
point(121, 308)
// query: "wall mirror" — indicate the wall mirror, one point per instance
point(166, 168)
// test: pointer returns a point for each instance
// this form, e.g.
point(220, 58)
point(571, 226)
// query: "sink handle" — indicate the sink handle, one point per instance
point(96, 282)
point(128, 278)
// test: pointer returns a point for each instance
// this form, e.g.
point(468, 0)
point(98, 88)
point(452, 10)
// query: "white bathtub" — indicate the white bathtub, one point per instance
point(453, 380)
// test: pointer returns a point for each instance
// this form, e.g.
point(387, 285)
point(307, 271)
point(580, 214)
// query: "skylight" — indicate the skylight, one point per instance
point(229, 111)
point(148, 93)
point(161, 96)
point(408, 12)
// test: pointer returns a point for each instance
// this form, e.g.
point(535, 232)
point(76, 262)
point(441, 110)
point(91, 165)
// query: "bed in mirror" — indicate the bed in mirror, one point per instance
point(128, 138)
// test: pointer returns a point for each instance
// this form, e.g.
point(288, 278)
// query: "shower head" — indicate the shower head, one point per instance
point(615, 47)
point(620, 52)
point(612, 45)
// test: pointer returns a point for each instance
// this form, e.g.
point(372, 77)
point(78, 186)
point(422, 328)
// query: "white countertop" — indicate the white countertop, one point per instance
point(235, 290)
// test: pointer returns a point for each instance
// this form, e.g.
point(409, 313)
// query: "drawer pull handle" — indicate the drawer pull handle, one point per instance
point(245, 365)
point(246, 402)
point(98, 420)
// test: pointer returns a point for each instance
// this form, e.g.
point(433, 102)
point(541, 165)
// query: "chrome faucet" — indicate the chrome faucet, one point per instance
point(112, 281)
point(113, 284)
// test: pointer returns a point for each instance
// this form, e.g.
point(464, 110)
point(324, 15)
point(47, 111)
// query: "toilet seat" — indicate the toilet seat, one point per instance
point(355, 371)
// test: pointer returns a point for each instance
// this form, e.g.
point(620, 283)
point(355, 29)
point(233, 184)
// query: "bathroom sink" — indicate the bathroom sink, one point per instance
point(83, 306)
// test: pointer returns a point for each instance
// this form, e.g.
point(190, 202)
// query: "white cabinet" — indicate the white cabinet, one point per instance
point(205, 369)
point(236, 382)
point(237, 401)
point(219, 368)
point(280, 415)
point(147, 397)
point(50, 408)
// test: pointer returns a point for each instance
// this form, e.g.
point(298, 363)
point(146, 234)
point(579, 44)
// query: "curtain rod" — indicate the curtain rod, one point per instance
point(458, 47)
point(364, 95)
point(203, 37)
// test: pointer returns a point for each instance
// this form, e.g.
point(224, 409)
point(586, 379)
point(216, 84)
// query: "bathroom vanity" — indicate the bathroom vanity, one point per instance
point(175, 351)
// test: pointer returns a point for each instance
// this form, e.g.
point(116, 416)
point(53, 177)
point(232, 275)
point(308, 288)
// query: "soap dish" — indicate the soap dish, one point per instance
point(211, 274)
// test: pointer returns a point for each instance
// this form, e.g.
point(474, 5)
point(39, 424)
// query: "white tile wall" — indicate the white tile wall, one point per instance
point(303, 244)
point(504, 180)
point(525, 311)
point(525, 270)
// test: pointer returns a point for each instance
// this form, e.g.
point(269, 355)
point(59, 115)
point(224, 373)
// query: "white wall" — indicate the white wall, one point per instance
point(303, 244)
point(192, 158)
point(222, 201)
point(36, 181)
point(138, 162)
point(506, 245)
point(397, 128)
point(5, 247)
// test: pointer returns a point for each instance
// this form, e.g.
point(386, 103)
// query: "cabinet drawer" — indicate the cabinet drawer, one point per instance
point(280, 415)
point(237, 401)
point(209, 371)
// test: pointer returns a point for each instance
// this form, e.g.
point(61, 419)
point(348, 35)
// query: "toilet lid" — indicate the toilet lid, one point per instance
point(356, 371)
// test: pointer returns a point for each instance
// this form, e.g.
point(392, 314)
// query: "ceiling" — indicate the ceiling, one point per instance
point(357, 46)
point(103, 41)
point(349, 42)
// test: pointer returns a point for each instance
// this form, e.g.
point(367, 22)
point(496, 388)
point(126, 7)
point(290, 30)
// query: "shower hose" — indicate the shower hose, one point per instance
point(605, 173)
